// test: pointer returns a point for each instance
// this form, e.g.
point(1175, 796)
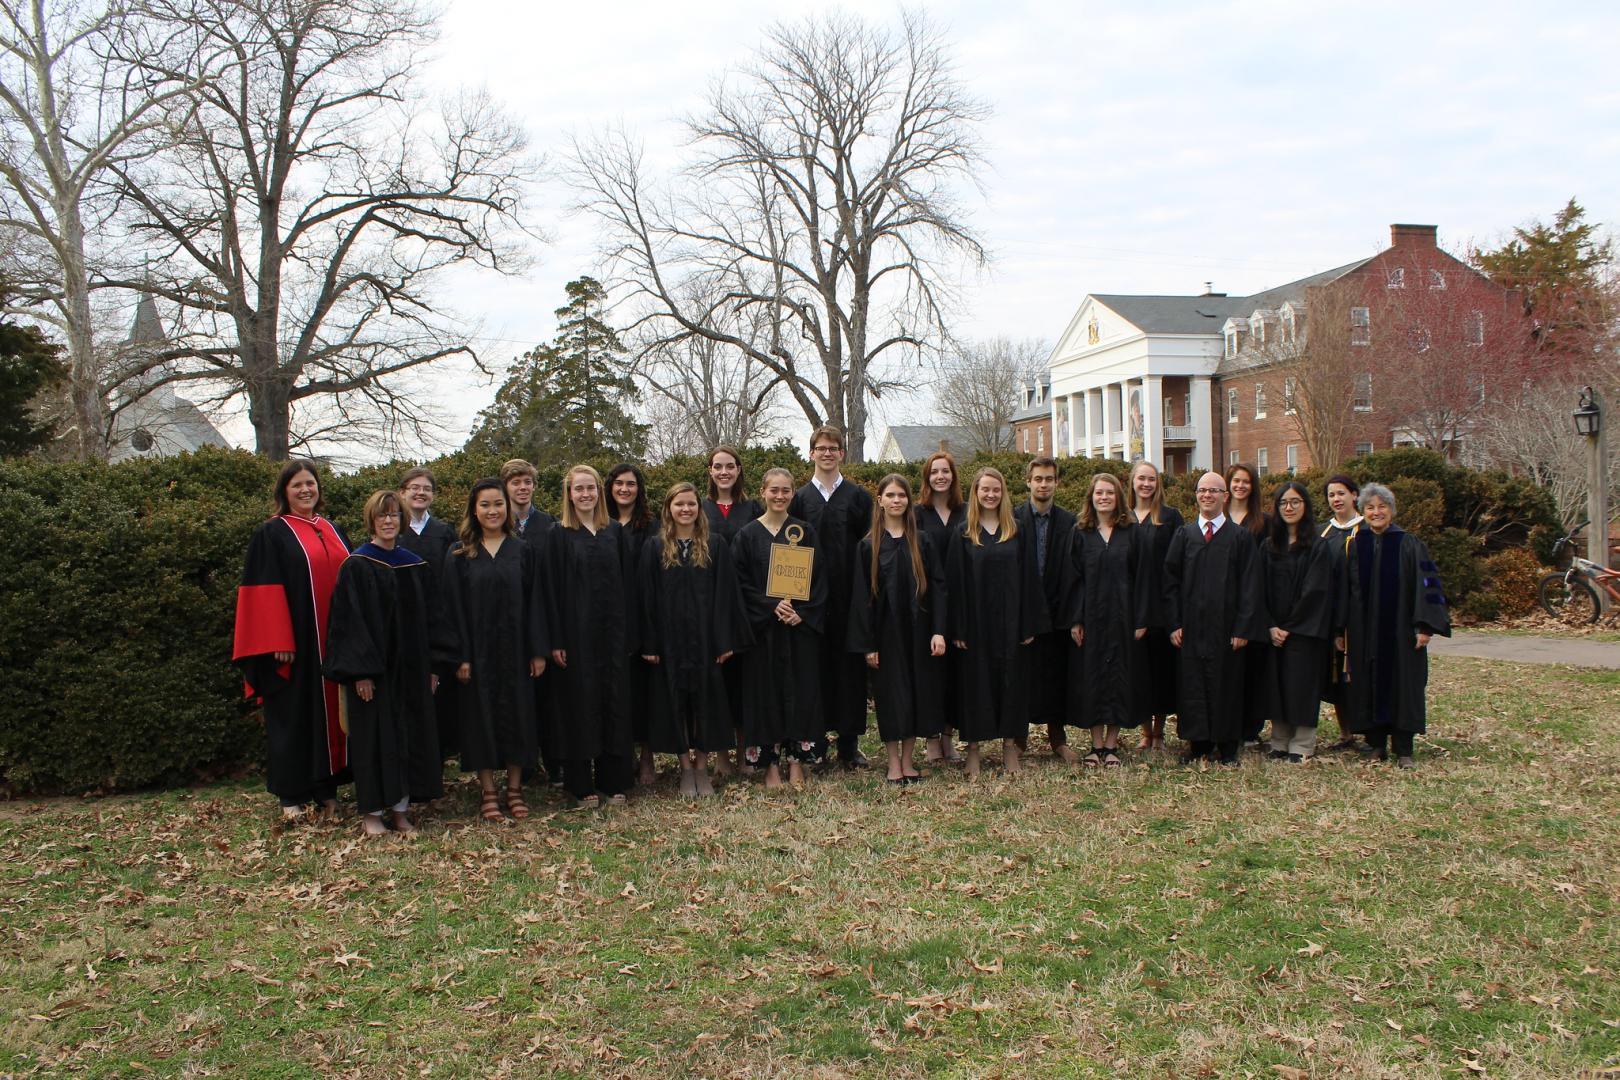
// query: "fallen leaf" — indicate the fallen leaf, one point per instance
point(1311, 949)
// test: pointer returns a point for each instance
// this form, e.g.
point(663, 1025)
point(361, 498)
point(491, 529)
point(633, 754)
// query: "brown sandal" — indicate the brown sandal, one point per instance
point(515, 804)
point(489, 808)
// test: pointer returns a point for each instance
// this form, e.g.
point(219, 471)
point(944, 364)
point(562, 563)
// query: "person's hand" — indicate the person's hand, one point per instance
point(365, 689)
point(872, 660)
point(1175, 637)
point(1238, 643)
point(1423, 640)
point(723, 657)
point(559, 657)
point(1027, 640)
point(649, 659)
point(785, 612)
point(960, 644)
point(433, 684)
point(1141, 632)
point(284, 657)
point(464, 673)
point(1278, 636)
point(1338, 643)
point(936, 645)
point(537, 666)
point(1078, 633)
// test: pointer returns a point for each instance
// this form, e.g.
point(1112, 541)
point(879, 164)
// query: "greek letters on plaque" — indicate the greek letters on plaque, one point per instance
point(789, 575)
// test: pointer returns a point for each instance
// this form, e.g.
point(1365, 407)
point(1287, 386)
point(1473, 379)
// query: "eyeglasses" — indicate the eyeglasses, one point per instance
point(419, 489)
point(824, 449)
point(1291, 504)
point(1212, 491)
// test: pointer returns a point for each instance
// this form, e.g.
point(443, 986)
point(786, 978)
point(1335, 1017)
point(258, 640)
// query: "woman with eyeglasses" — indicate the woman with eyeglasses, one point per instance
point(1297, 567)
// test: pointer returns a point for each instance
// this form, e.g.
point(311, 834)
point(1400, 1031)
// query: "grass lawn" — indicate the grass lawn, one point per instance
point(1337, 919)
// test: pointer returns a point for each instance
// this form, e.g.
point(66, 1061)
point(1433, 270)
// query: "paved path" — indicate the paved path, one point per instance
point(1528, 649)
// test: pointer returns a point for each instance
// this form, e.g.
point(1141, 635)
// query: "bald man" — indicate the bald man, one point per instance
point(1213, 607)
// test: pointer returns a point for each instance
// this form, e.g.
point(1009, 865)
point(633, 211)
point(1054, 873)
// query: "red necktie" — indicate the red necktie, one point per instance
point(1209, 531)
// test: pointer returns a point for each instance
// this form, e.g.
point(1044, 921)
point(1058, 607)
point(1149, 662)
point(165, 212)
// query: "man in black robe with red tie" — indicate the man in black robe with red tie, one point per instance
point(1213, 610)
point(840, 512)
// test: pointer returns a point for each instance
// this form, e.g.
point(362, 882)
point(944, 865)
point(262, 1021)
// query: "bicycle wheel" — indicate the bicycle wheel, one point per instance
point(1573, 602)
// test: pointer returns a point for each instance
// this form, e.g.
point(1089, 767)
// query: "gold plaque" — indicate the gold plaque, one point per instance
point(789, 576)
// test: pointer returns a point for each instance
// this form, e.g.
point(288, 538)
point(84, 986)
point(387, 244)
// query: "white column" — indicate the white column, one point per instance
point(1107, 391)
point(1203, 455)
point(1153, 419)
point(1068, 406)
point(1087, 438)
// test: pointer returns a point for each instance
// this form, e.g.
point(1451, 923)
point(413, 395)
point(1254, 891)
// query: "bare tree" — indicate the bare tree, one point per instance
point(70, 111)
point(979, 385)
point(1317, 353)
point(827, 171)
point(308, 199)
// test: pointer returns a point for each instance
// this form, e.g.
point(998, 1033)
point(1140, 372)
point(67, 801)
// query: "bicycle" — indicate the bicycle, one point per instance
point(1572, 595)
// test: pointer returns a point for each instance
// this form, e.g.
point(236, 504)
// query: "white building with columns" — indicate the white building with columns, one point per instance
point(1135, 376)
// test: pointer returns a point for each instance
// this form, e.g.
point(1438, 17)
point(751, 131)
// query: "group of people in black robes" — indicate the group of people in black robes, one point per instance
point(529, 644)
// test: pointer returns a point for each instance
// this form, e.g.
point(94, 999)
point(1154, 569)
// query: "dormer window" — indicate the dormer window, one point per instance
point(1257, 327)
point(1231, 342)
point(1288, 322)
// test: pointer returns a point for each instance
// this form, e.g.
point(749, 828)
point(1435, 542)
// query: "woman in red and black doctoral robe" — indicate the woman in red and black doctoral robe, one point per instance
point(898, 621)
point(590, 585)
point(782, 674)
point(382, 656)
point(281, 641)
point(692, 624)
point(494, 591)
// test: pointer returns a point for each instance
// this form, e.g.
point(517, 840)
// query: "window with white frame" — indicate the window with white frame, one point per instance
point(1396, 278)
point(1420, 338)
point(1288, 323)
point(1361, 392)
point(1360, 326)
point(1262, 460)
point(1290, 388)
point(1260, 401)
point(1257, 328)
point(1186, 408)
point(1231, 406)
point(1231, 457)
point(1231, 343)
point(1040, 440)
point(1474, 329)
point(1293, 457)
point(1169, 411)
point(1363, 449)
point(1476, 388)
point(1437, 279)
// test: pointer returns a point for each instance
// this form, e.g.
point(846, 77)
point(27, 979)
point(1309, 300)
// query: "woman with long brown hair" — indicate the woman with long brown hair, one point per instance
point(691, 624)
point(941, 516)
point(727, 509)
point(1243, 510)
point(897, 619)
point(1159, 523)
point(1108, 615)
point(996, 608)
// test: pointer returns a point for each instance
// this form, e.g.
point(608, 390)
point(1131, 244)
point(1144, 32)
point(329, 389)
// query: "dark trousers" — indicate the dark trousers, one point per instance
point(1226, 751)
point(609, 774)
point(1402, 740)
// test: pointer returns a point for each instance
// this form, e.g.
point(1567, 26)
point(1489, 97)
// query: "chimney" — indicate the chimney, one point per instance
point(1209, 290)
point(1413, 236)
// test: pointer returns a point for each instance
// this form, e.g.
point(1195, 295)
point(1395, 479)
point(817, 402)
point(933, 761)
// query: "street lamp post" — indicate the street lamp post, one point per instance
point(1588, 418)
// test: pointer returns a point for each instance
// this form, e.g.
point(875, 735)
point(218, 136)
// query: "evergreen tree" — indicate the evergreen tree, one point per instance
point(564, 402)
point(28, 364)
point(1562, 271)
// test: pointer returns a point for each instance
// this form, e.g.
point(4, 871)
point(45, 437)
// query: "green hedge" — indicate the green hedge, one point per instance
point(117, 599)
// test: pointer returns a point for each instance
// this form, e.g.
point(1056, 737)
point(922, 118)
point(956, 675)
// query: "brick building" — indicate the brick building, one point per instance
point(1405, 346)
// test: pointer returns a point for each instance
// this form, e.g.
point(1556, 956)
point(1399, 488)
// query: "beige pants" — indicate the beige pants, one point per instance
point(1293, 739)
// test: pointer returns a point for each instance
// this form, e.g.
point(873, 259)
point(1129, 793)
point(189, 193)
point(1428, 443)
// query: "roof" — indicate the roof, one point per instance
point(917, 441)
point(1034, 412)
point(147, 328)
point(1206, 314)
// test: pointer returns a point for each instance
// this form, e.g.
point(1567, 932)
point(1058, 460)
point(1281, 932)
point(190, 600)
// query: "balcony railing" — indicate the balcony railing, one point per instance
point(1180, 433)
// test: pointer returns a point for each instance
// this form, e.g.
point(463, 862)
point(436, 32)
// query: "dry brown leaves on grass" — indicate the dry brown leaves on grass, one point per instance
point(1336, 919)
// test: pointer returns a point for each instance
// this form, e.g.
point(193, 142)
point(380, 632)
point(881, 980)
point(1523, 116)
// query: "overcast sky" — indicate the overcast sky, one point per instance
point(1134, 147)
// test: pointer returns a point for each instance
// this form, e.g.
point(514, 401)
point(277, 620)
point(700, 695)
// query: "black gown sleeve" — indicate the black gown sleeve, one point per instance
point(536, 621)
point(731, 630)
point(1142, 598)
point(939, 593)
point(862, 635)
point(357, 624)
point(1073, 611)
point(1173, 566)
point(814, 611)
point(456, 642)
point(1429, 610)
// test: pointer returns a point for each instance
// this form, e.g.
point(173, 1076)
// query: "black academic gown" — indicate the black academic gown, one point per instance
point(1052, 653)
point(839, 523)
point(381, 627)
point(1300, 588)
point(1255, 661)
point(1159, 655)
point(591, 617)
point(638, 672)
point(1389, 592)
point(432, 544)
point(909, 685)
point(1212, 594)
point(1109, 598)
point(995, 605)
point(726, 526)
point(282, 606)
point(782, 673)
point(498, 605)
point(534, 528)
point(1338, 541)
point(943, 534)
point(690, 616)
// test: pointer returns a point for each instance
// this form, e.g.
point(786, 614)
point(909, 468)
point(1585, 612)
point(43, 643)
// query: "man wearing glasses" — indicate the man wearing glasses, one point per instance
point(430, 537)
point(840, 512)
point(1213, 609)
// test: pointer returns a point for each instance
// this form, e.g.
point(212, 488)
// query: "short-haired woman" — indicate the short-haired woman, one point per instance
point(382, 654)
point(494, 591)
point(1391, 604)
point(292, 566)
